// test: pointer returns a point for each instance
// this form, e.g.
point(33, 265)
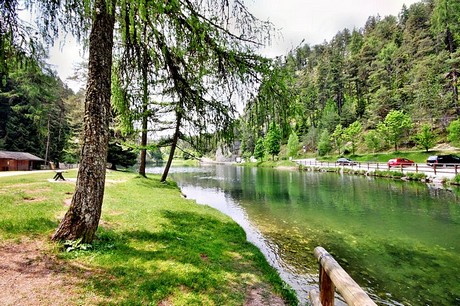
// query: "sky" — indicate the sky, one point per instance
point(313, 21)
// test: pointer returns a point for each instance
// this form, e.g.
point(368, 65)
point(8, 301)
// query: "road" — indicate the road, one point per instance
point(438, 173)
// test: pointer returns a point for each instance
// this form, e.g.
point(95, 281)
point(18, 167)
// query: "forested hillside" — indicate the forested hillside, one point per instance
point(350, 90)
point(36, 112)
point(389, 84)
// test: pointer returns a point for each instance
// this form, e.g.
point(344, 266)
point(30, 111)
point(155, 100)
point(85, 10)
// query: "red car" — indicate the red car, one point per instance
point(400, 162)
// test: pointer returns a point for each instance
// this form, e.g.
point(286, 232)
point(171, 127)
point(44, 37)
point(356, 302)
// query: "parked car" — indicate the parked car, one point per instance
point(345, 161)
point(400, 162)
point(444, 160)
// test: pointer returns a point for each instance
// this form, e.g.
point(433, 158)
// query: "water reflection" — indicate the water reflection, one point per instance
point(400, 239)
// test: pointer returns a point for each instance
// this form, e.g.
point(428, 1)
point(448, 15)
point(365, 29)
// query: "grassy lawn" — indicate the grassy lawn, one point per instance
point(153, 247)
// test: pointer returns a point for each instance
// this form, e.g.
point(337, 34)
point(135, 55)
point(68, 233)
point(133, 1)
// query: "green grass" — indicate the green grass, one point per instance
point(272, 164)
point(152, 245)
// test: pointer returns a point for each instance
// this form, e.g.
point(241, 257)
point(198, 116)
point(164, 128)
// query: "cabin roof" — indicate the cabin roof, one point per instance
point(18, 156)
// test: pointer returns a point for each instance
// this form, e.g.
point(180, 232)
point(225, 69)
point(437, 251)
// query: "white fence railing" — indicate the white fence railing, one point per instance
point(437, 170)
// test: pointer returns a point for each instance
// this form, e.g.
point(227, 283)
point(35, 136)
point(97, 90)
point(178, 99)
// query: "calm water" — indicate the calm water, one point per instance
point(399, 240)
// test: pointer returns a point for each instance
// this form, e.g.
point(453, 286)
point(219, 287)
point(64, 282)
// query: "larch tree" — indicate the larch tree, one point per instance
point(272, 142)
point(197, 68)
point(82, 219)
point(186, 35)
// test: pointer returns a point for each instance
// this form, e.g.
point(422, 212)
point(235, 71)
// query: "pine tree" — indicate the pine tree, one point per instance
point(293, 145)
point(259, 150)
point(272, 142)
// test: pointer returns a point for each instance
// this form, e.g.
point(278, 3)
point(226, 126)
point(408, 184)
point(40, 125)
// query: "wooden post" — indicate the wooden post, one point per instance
point(456, 169)
point(434, 169)
point(416, 168)
point(326, 288)
point(333, 275)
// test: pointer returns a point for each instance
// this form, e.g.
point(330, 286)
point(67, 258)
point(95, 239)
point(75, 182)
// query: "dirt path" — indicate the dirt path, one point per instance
point(29, 275)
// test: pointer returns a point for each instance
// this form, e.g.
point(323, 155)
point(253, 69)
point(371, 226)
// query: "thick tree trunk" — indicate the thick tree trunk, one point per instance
point(173, 147)
point(82, 218)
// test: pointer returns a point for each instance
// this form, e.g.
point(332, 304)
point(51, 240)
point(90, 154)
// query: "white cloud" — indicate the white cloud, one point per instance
point(312, 20)
point(63, 56)
point(316, 20)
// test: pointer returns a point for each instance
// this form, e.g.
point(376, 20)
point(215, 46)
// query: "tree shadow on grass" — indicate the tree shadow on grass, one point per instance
point(195, 259)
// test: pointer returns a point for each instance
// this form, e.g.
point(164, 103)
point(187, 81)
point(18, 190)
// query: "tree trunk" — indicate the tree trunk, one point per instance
point(48, 140)
point(145, 114)
point(173, 148)
point(82, 218)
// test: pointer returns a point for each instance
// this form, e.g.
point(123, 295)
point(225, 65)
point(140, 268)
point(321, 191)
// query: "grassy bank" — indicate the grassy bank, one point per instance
point(153, 247)
point(272, 164)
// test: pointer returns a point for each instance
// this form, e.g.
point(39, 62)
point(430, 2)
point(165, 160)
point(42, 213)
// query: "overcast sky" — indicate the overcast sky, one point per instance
point(312, 20)
point(318, 20)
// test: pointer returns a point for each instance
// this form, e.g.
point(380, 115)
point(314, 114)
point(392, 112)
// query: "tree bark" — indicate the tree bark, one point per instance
point(173, 147)
point(145, 115)
point(82, 218)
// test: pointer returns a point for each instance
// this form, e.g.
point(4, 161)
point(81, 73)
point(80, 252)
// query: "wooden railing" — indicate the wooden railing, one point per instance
point(435, 169)
point(332, 276)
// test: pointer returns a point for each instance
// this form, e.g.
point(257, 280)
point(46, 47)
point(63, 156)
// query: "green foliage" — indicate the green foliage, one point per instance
point(373, 140)
point(388, 173)
point(425, 138)
point(394, 127)
point(259, 150)
point(154, 60)
point(351, 134)
point(393, 63)
point(456, 180)
point(152, 242)
point(338, 136)
point(272, 142)
point(416, 176)
point(454, 132)
point(117, 155)
point(76, 245)
point(446, 20)
point(33, 113)
point(293, 144)
point(156, 154)
point(324, 143)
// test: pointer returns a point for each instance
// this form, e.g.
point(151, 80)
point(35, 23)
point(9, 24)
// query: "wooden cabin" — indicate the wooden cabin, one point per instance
point(19, 161)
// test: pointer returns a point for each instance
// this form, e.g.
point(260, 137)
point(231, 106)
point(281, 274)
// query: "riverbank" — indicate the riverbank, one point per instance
point(152, 247)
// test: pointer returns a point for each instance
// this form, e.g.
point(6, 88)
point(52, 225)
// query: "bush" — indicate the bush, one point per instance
point(456, 180)
point(388, 173)
point(416, 176)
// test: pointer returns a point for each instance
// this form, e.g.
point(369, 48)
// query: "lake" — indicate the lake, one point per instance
point(399, 240)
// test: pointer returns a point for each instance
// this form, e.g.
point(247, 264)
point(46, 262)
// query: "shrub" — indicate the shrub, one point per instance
point(456, 180)
point(416, 176)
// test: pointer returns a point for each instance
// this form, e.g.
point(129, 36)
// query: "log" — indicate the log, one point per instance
point(351, 292)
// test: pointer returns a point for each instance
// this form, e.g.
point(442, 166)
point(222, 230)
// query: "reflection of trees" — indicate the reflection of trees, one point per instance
point(335, 196)
point(382, 231)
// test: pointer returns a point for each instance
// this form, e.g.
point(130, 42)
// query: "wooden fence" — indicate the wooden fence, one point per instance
point(332, 276)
